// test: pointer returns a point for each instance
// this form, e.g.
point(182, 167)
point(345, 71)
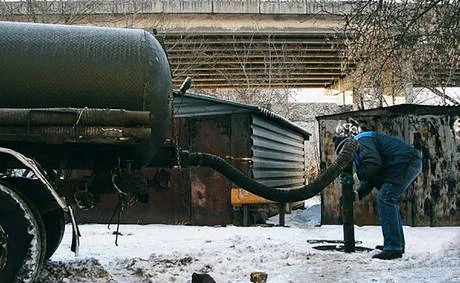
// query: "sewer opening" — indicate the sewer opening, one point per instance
point(336, 245)
point(340, 248)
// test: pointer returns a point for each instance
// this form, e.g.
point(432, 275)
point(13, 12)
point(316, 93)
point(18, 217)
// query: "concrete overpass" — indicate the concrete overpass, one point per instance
point(221, 43)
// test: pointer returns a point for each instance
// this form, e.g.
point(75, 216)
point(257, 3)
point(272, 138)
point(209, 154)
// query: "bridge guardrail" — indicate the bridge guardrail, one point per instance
point(303, 7)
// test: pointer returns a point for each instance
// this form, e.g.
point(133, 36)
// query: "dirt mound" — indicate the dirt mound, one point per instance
point(87, 270)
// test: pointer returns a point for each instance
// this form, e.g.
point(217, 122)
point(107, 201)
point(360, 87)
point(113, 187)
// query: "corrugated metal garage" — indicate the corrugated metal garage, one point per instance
point(435, 131)
point(262, 144)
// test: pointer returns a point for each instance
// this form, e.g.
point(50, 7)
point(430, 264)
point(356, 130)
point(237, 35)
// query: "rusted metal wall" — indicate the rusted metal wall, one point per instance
point(168, 205)
point(435, 131)
point(209, 189)
point(259, 143)
point(198, 196)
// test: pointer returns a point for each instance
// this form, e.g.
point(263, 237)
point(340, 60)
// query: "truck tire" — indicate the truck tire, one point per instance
point(22, 227)
point(54, 221)
point(52, 215)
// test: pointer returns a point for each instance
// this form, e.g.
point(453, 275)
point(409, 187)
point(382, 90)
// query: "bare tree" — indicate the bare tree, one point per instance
point(43, 11)
point(398, 43)
point(258, 71)
point(121, 13)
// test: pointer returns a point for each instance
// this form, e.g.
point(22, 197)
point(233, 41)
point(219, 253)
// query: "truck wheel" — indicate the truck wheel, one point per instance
point(24, 239)
point(54, 226)
point(53, 219)
point(3, 248)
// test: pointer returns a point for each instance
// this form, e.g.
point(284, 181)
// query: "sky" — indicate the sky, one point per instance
point(323, 95)
point(172, 253)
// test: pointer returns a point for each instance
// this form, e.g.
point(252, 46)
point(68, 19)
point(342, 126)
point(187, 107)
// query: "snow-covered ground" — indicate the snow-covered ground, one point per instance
point(172, 253)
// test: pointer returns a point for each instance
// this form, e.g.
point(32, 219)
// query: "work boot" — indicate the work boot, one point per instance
point(387, 255)
point(380, 247)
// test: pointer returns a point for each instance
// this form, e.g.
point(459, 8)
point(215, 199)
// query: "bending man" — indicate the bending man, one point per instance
point(390, 165)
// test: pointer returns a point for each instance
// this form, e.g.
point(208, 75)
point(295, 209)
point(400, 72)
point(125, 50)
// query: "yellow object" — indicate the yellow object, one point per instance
point(240, 196)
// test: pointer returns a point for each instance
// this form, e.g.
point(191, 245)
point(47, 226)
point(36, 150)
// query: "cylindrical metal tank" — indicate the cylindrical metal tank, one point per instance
point(43, 66)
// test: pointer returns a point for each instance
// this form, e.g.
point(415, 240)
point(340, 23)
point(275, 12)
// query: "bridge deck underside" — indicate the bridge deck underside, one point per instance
point(313, 59)
point(229, 60)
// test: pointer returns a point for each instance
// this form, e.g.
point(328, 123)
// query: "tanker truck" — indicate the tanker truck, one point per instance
point(88, 99)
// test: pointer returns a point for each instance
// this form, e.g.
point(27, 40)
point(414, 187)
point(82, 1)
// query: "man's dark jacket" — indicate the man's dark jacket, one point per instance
point(381, 159)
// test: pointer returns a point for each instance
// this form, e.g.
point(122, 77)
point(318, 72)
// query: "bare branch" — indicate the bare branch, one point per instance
point(392, 43)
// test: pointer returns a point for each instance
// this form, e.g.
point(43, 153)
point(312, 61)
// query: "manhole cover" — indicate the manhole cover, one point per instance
point(340, 248)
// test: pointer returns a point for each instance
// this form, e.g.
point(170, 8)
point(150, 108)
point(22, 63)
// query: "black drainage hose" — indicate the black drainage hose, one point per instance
point(274, 194)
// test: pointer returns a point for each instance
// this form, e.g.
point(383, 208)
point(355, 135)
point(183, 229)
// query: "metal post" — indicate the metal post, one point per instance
point(348, 221)
point(347, 207)
point(281, 207)
point(245, 216)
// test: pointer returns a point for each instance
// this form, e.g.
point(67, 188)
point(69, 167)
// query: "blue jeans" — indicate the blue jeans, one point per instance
point(388, 207)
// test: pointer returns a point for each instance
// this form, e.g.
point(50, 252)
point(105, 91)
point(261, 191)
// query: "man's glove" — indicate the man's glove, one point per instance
point(346, 179)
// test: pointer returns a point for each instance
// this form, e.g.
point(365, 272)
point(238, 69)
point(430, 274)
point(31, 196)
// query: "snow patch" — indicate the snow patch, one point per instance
point(172, 253)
